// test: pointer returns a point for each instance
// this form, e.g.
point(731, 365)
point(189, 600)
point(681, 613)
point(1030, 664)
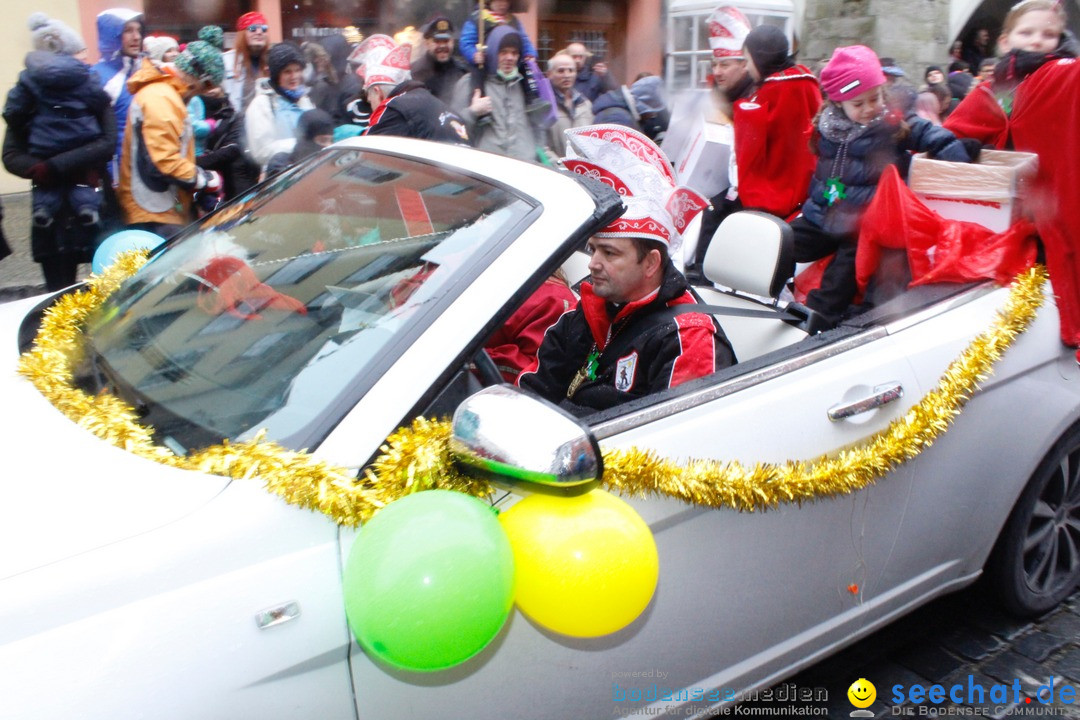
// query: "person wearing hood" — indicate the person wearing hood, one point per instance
point(248, 61)
point(510, 130)
point(439, 68)
point(61, 134)
point(271, 118)
point(640, 106)
point(772, 157)
point(158, 173)
point(314, 131)
point(120, 34)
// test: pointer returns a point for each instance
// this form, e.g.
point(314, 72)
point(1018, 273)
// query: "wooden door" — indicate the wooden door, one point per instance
point(599, 24)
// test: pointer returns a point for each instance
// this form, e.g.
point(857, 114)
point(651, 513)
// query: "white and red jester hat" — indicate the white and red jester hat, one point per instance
point(728, 29)
point(391, 69)
point(372, 50)
point(632, 164)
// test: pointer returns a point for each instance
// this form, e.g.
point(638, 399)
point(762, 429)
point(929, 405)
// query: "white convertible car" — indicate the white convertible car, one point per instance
point(355, 293)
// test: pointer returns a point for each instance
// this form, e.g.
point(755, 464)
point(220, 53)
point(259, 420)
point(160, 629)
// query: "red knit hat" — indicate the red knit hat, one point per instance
point(248, 19)
point(851, 71)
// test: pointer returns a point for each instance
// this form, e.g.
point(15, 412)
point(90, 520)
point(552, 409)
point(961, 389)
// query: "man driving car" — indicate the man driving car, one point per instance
point(631, 333)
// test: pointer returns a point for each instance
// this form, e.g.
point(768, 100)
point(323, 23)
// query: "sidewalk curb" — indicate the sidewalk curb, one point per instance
point(19, 292)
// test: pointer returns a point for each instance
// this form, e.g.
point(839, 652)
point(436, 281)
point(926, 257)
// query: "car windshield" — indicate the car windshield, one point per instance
point(280, 310)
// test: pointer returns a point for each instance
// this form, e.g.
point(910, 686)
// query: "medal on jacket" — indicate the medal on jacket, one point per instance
point(834, 190)
point(586, 372)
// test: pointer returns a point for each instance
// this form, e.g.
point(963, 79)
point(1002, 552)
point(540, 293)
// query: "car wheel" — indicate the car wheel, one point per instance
point(1036, 562)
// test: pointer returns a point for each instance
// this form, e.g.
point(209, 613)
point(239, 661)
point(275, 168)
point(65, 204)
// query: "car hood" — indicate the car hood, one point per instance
point(65, 492)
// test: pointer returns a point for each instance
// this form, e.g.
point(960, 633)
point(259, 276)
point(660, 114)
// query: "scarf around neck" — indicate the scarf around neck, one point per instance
point(836, 126)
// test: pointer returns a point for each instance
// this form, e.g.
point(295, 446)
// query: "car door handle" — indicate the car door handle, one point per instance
point(880, 395)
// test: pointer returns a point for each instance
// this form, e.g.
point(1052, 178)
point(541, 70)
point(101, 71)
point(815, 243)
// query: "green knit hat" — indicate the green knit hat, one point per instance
point(202, 60)
point(213, 35)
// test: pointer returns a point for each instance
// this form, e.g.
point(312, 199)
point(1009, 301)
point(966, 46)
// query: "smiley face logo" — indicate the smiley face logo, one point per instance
point(862, 693)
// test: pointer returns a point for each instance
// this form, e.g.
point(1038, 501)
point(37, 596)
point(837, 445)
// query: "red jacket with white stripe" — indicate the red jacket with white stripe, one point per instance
point(772, 148)
point(644, 347)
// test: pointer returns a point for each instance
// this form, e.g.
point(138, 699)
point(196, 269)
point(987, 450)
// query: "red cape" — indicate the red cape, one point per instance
point(979, 116)
point(1046, 114)
point(772, 150)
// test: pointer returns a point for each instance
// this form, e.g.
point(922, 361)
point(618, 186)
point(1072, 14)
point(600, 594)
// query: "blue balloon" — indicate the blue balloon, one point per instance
point(118, 243)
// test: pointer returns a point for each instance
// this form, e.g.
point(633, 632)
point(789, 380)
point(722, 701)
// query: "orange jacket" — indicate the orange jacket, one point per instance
point(157, 165)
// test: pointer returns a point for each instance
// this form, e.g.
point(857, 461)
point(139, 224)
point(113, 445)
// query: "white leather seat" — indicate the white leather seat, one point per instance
point(751, 256)
point(751, 252)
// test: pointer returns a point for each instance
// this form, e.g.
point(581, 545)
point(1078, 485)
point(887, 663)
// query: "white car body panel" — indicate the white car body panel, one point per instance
point(169, 617)
point(66, 460)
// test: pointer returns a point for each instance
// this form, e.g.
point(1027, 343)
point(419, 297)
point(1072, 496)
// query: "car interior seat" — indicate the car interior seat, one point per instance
point(750, 259)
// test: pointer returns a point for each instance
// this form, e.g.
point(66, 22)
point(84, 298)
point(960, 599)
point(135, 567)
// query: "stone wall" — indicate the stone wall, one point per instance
point(914, 32)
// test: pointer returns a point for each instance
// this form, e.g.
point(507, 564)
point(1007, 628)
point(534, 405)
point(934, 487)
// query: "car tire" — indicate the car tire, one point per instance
point(1036, 561)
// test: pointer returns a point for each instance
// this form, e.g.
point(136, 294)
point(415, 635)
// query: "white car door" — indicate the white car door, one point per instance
point(747, 596)
point(742, 597)
point(971, 476)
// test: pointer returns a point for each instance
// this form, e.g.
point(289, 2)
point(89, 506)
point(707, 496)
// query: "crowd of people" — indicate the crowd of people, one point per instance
point(157, 132)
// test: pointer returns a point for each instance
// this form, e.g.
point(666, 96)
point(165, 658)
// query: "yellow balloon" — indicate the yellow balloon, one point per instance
point(586, 565)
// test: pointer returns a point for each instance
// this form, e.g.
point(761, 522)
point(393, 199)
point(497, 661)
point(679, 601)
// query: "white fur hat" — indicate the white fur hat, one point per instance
point(157, 45)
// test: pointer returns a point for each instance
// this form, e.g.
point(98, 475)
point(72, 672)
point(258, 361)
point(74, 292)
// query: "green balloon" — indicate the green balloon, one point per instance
point(429, 581)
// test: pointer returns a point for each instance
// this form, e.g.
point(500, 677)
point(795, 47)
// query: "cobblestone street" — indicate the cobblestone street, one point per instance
point(951, 638)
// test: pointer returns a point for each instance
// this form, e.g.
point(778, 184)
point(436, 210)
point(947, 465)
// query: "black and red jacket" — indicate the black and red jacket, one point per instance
point(412, 111)
point(645, 346)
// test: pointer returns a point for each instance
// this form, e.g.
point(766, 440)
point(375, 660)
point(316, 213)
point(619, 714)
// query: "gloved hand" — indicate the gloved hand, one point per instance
point(41, 173)
point(208, 180)
point(973, 148)
point(207, 202)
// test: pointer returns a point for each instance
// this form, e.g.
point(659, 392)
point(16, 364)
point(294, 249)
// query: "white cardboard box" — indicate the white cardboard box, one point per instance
point(702, 164)
point(989, 192)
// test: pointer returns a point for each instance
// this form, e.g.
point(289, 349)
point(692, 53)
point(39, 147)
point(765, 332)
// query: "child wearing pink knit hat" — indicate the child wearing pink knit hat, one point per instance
point(855, 138)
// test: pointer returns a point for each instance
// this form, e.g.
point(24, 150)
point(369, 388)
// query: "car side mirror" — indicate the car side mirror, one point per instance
point(506, 433)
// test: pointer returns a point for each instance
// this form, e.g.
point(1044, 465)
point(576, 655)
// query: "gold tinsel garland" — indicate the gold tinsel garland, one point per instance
point(719, 484)
point(417, 457)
